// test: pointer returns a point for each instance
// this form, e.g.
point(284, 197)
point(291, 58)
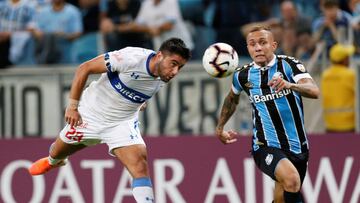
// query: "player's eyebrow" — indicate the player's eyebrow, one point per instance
point(262, 38)
point(175, 61)
point(257, 40)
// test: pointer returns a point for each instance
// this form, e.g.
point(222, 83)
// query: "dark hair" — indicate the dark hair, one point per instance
point(330, 3)
point(176, 46)
point(259, 28)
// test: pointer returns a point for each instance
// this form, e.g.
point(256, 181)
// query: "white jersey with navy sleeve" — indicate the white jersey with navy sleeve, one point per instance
point(128, 83)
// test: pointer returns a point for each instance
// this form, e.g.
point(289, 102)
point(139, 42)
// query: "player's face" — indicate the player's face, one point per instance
point(169, 66)
point(261, 46)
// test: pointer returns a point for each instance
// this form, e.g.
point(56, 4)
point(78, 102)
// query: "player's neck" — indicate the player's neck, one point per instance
point(153, 66)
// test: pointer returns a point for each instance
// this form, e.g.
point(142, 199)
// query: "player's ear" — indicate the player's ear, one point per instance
point(275, 44)
point(160, 55)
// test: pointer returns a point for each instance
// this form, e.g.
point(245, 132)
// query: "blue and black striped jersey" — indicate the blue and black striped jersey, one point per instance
point(278, 118)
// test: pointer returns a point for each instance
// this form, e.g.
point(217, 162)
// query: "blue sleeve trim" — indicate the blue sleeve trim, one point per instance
point(236, 82)
point(148, 64)
point(141, 182)
point(107, 61)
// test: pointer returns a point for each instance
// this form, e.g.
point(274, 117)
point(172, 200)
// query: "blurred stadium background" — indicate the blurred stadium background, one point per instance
point(187, 161)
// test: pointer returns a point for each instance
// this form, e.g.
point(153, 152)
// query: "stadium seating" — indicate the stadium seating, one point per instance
point(85, 48)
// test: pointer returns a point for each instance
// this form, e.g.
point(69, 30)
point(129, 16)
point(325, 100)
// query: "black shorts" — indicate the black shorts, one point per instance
point(267, 158)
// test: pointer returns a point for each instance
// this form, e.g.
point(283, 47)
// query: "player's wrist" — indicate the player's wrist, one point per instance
point(73, 104)
point(219, 129)
point(291, 85)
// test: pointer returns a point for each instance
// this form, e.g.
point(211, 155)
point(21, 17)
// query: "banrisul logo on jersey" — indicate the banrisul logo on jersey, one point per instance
point(268, 97)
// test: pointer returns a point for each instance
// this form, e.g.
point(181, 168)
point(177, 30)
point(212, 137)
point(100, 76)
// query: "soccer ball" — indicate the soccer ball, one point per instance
point(220, 60)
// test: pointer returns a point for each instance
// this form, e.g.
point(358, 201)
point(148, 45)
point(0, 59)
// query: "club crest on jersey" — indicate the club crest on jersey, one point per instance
point(269, 159)
point(278, 75)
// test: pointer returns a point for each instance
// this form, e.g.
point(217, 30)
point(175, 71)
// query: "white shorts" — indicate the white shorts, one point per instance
point(92, 132)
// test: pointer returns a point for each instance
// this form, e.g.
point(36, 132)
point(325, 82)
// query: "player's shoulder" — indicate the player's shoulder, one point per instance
point(293, 63)
point(289, 59)
point(244, 68)
point(134, 53)
point(136, 50)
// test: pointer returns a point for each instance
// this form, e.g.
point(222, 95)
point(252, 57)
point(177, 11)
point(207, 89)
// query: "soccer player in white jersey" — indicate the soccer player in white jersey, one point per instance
point(108, 109)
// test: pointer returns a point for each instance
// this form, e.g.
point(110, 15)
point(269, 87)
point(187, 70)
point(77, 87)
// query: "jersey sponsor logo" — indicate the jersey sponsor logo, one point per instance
point(126, 92)
point(249, 85)
point(268, 97)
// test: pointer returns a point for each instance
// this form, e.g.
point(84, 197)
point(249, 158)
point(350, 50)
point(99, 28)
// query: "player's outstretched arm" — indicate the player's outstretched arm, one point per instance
point(227, 110)
point(93, 66)
point(306, 86)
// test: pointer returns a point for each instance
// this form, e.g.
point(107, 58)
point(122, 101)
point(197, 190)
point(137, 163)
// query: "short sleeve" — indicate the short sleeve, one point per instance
point(118, 61)
point(297, 69)
point(236, 87)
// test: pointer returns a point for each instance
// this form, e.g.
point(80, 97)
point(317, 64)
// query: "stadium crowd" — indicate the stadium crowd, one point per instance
point(71, 31)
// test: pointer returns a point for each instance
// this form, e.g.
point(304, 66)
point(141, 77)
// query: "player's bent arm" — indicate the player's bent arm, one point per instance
point(93, 66)
point(227, 110)
point(96, 65)
point(306, 87)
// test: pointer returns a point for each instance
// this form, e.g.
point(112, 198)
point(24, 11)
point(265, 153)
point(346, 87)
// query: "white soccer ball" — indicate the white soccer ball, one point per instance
point(220, 60)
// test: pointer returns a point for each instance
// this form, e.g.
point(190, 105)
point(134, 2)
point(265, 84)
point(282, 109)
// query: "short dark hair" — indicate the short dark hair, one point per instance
point(176, 46)
point(330, 3)
point(259, 28)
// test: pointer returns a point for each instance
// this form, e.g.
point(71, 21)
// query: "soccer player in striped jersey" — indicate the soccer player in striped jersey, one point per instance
point(108, 109)
point(275, 85)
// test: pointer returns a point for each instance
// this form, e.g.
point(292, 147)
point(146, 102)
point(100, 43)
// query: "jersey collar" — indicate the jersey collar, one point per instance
point(270, 64)
point(148, 64)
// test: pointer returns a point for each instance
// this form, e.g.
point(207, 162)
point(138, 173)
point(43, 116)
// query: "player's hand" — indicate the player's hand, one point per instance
point(278, 84)
point(72, 117)
point(227, 137)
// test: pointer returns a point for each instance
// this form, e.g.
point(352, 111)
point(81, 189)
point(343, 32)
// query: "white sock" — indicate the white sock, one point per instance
point(53, 161)
point(142, 190)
